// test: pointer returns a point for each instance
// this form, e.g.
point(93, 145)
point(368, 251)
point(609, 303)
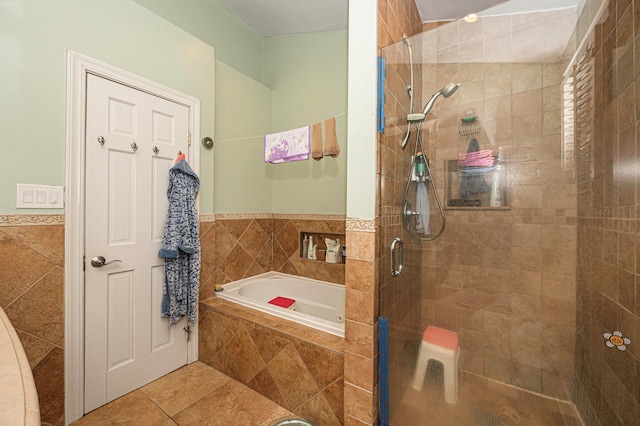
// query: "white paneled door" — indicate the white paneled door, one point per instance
point(132, 140)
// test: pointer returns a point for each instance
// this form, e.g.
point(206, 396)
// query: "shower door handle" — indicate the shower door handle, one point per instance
point(396, 243)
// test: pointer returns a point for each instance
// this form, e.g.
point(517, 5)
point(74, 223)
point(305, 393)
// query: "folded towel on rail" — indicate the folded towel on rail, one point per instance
point(291, 145)
point(331, 147)
point(316, 142)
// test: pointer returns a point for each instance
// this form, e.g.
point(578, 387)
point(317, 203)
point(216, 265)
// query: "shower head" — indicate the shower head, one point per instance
point(446, 91)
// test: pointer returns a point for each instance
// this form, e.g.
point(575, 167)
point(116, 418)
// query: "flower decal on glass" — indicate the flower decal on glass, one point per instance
point(616, 340)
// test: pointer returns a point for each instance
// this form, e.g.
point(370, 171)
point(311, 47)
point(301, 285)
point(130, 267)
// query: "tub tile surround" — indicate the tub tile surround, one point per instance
point(299, 368)
point(248, 245)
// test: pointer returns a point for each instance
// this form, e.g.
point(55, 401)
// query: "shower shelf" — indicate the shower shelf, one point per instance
point(475, 201)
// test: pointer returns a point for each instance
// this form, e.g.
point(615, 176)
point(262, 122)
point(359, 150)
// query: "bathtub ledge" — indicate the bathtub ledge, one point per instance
point(282, 325)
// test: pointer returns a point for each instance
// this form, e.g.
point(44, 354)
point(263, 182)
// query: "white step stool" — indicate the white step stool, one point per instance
point(440, 345)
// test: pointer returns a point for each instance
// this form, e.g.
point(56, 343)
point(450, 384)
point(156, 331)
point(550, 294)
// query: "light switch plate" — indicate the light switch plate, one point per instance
point(39, 196)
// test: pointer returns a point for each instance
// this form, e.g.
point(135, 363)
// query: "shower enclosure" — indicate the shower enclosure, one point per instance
point(503, 274)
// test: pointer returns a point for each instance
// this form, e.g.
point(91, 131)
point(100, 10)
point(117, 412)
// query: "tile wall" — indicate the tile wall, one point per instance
point(361, 312)
point(504, 280)
point(248, 245)
point(298, 368)
point(608, 379)
point(32, 283)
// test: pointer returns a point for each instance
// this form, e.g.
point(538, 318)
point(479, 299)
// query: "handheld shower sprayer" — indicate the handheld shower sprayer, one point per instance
point(446, 91)
point(422, 214)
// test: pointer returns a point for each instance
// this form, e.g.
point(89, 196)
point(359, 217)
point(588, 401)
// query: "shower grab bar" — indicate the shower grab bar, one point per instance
point(397, 242)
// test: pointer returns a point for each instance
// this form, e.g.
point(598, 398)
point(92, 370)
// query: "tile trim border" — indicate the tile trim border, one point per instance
point(361, 225)
point(59, 219)
point(309, 216)
point(236, 216)
point(31, 219)
point(207, 218)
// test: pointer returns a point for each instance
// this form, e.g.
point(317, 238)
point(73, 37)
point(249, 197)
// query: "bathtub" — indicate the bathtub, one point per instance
point(318, 304)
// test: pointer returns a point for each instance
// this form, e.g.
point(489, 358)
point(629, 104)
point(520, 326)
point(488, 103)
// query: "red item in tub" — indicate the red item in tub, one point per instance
point(284, 302)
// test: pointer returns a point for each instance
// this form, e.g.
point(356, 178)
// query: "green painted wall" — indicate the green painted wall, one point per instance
point(304, 76)
point(34, 36)
point(308, 75)
point(236, 44)
point(244, 114)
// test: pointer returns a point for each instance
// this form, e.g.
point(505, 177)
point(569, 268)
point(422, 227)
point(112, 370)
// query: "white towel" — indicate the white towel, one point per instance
point(291, 145)
point(423, 208)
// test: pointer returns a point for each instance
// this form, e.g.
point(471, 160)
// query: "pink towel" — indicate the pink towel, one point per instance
point(482, 158)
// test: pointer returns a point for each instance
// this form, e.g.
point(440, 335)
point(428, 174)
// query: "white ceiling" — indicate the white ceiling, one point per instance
point(282, 17)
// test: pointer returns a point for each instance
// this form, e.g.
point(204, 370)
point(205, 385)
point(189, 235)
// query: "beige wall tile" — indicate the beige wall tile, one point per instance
point(360, 338)
point(361, 245)
point(359, 306)
point(358, 403)
point(526, 77)
point(360, 274)
point(360, 371)
point(525, 235)
point(525, 103)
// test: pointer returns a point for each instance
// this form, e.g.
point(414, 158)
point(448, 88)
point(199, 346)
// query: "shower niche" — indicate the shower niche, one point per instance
point(476, 187)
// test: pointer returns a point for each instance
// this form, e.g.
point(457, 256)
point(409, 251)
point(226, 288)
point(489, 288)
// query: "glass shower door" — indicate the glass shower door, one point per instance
point(502, 275)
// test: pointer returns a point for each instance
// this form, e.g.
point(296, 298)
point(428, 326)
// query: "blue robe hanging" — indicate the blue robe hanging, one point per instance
point(181, 246)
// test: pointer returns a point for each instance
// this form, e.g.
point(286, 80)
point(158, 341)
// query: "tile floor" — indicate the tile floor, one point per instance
point(481, 402)
point(193, 395)
point(200, 395)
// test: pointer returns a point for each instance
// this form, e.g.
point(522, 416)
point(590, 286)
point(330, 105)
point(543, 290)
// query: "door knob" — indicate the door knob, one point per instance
point(99, 261)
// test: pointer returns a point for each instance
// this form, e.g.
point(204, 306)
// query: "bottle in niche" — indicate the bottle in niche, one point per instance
point(305, 247)
point(495, 199)
point(311, 254)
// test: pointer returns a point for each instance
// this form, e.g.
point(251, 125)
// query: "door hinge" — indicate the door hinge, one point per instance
point(83, 262)
point(187, 330)
point(189, 139)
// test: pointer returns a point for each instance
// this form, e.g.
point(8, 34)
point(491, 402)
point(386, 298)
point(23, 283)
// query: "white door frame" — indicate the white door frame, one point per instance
point(78, 66)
